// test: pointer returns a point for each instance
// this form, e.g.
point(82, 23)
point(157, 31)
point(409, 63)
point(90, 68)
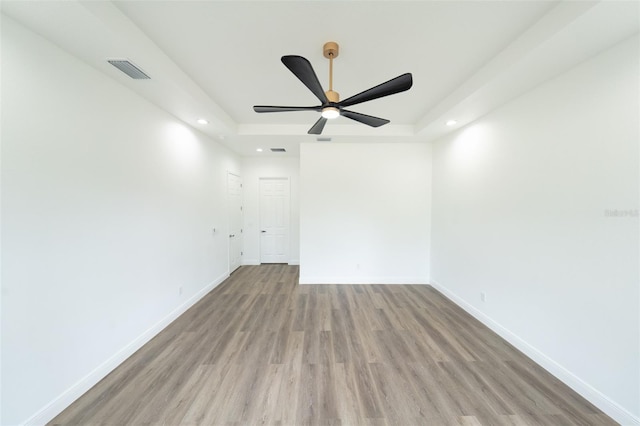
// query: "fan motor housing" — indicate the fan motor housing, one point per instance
point(334, 97)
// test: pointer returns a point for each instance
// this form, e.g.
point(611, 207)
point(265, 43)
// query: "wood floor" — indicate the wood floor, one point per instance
point(260, 349)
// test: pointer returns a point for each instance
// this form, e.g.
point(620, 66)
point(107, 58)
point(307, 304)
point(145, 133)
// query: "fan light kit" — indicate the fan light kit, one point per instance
point(331, 106)
point(330, 112)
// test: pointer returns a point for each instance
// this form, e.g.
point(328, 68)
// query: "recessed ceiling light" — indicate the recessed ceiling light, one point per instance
point(259, 149)
point(202, 121)
point(452, 123)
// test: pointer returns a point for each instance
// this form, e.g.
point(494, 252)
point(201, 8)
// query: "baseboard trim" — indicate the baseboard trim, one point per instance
point(597, 398)
point(363, 280)
point(254, 262)
point(58, 404)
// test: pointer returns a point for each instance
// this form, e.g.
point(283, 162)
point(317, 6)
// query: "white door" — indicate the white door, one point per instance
point(274, 220)
point(234, 203)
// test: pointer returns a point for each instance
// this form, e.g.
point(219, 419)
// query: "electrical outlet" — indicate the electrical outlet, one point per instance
point(180, 290)
point(483, 297)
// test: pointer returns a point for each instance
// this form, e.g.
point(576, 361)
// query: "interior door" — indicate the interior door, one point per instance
point(234, 203)
point(274, 220)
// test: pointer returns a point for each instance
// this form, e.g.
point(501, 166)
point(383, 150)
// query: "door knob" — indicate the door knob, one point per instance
point(263, 231)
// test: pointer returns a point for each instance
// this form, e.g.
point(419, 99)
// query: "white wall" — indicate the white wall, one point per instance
point(254, 168)
point(364, 212)
point(108, 205)
point(520, 212)
point(107, 209)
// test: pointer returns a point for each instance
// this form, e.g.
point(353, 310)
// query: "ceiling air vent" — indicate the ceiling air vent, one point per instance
point(129, 69)
point(278, 150)
point(323, 139)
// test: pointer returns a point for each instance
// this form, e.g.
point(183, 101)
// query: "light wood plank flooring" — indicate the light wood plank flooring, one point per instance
point(260, 349)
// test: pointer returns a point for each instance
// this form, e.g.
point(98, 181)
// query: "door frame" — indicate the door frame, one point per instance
point(288, 239)
point(229, 221)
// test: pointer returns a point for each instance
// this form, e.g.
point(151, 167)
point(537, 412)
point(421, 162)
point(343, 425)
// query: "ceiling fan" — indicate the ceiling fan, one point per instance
point(332, 107)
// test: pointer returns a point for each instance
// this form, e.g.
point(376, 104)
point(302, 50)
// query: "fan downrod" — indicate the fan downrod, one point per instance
point(330, 50)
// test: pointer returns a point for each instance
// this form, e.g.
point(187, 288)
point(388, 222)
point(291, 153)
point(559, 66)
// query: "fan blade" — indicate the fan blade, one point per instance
point(266, 108)
point(391, 87)
point(317, 128)
point(302, 69)
point(365, 119)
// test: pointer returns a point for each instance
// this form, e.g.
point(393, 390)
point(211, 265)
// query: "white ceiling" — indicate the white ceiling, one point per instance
point(216, 59)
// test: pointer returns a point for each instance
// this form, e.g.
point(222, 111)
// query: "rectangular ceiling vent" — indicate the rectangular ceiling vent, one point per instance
point(278, 150)
point(323, 139)
point(129, 69)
